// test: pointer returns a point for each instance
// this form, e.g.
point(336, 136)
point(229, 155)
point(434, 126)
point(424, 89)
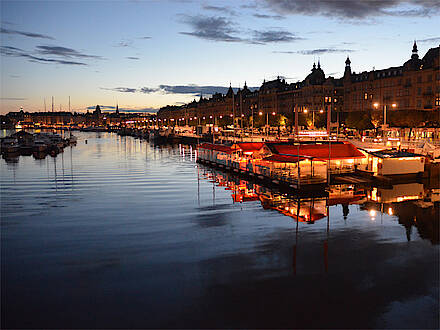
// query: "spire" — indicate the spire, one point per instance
point(319, 64)
point(117, 109)
point(347, 61)
point(201, 96)
point(415, 54)
point(314, 66)
point(245, 86)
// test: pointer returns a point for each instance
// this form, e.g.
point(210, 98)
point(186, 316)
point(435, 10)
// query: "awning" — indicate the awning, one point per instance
point(284, 158)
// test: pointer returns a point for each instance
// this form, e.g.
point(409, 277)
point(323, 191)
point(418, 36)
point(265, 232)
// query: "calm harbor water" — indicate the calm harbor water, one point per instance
point(118, 233)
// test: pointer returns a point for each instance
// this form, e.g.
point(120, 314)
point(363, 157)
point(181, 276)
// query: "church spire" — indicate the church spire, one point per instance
point(117, 109)
point(415, 54)
point(319, 64)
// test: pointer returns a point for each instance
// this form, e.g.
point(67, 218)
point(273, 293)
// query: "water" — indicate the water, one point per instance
point(118, 233)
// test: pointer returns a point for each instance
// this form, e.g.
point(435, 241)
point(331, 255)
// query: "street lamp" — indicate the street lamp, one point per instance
point(376, 105)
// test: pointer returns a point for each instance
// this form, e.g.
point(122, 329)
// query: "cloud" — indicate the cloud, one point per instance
point(17, 52)
point(111, 108)
point(264, 16)
point(125, 43)
point(63, 52)
point(13, 98)
point(222, 29)
point(221, 9)
point(272, 36)
point(318, 51)
point(357, 9)
point(145, 38)
point(434, 39)
point(211, 28)
point(26, 34)
point(133, 58)
point(120, 89)
point(147, 90)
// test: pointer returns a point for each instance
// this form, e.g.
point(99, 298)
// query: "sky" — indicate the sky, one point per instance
point(143, 55)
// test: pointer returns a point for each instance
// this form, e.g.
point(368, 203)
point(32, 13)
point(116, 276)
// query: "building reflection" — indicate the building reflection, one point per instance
point(412, 204)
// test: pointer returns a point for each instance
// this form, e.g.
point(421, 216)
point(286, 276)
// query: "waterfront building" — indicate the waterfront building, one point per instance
point(404, 95)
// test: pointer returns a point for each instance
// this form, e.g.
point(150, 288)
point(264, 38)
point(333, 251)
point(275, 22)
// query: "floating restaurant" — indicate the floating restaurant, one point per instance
point(305, 165)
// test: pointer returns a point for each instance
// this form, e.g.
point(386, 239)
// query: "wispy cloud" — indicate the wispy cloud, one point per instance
point(111, 108)
point(218, 28)
point(145, 37)
point(17, 52)
point(318, 51)
point(176, 89)
point(273, 36)
point(133, 58)
point(63, 52)
point(26, 34)
point(120, 89)
point(211, 28)
point(124, 43)
point(265, 16)
point(221, 9)
point(434, 39)
point(13, 98)
point(357, 9)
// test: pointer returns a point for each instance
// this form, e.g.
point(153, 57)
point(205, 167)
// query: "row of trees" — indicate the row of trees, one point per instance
point(355, 120)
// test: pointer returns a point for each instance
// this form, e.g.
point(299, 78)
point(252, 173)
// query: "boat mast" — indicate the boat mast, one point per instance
point(69, 103)
point(52, 103)
point(44, 104)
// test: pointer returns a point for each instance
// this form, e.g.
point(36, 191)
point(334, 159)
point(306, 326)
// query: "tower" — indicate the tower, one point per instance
point(117, 109)
point(347, 71)
point(415, 55)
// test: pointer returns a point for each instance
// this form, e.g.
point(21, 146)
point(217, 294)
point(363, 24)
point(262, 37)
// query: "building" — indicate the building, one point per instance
point(409, 95)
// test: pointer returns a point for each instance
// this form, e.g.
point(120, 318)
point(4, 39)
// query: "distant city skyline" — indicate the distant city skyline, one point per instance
point(146, 54)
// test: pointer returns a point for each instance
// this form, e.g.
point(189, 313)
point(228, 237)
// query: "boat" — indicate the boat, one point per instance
point(10, 145)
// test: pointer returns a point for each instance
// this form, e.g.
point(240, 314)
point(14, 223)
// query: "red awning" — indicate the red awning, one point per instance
point(250, 146)
point(284, 158)
point(321, 151)
point(218, 147)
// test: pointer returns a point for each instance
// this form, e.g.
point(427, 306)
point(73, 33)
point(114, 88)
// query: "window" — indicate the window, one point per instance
point(419, 91)
point(437, 101)
point(419, 79)
point(419, 103)
point(366, 96)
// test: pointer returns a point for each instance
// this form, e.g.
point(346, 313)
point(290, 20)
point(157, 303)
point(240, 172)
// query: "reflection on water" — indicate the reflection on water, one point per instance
point(413, 204)
point(121, 233)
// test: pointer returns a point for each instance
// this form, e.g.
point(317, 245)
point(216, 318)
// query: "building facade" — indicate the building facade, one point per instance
point(410, 91)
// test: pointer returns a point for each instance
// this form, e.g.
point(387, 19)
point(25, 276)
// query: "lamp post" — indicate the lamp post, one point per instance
point(376, 105)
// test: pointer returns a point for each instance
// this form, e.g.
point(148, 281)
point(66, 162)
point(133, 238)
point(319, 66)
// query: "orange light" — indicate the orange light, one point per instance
point(260, 113)
point(376, 105)
point(321, 111)
point(394, 105)
point(305, 110)
point(273, 113)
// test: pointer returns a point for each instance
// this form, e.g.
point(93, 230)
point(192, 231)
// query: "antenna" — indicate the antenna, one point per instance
point(69, 103)
point(44, 104)
point(52, 103)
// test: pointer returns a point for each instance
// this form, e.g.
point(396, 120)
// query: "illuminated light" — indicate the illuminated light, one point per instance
point(190, 118)
point(210, 117)
point(380, 161)
point(195, 117)
point(338, 162)
point(375, 104)
point(398, 143)
point(350, 161)
point(372, 213)
point(305, 110)
point(394, 105)
point(230, 115)
point(390, 211)
point(321, 111)
point(273, 113)
point(203, 118)
point(312, 133)
point(221, 117)
point(242, 115)
point(286, 208)
point(388, 143)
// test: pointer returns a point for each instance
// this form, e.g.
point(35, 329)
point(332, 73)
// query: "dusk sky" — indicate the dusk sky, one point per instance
point(147, 54)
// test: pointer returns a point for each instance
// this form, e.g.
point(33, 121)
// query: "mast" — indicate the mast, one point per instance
point(69, 103)
point(52, 103)
point(44, 104)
